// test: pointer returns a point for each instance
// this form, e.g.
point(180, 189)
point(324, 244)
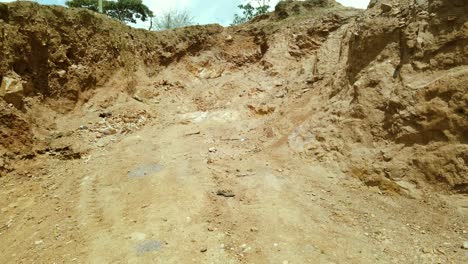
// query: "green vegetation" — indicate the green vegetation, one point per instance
point(251, 10)
point(124, 10)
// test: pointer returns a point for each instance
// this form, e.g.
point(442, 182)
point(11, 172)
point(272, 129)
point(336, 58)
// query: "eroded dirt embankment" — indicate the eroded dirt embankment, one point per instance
point(390, 80)
point(286, 117)
point(53, 57)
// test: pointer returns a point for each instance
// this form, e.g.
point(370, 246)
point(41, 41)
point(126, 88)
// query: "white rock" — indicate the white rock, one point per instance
point(108, 131)
point(61, 73)
point(12, 90)
point(212, 149)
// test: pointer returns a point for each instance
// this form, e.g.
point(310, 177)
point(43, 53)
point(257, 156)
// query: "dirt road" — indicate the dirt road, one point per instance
point(197, 187)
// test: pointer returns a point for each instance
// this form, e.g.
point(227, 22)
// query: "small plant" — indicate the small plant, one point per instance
point(249, 11)
point(174, 18)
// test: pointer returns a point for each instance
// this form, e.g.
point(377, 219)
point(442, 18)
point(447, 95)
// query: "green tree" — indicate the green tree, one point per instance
point(249, 11)
point(123, 10)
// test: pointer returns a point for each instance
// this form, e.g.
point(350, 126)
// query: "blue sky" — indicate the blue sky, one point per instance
point(204, 11)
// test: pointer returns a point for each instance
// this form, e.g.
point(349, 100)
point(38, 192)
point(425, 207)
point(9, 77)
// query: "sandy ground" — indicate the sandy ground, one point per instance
point(202, 187)
point(332, 136)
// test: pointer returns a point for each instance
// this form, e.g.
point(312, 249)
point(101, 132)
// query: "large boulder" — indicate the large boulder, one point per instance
point(11, 90)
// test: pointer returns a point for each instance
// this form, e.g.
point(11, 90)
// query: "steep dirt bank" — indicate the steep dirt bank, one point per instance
point(51, 55)
point(391, 80)
point(391, 83)
point(59, 52)
point(407, 69)
point(248, 144)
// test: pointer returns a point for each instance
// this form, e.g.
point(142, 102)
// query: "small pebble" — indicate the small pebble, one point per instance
point(212, 149)
point(225, 193)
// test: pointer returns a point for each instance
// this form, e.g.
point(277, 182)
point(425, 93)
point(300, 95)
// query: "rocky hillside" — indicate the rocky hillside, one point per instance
point(51, 56)
point(313, 134)
point(382, 92)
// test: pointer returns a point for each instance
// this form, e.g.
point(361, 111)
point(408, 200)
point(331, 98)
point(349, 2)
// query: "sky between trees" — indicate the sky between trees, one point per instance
point(203, 11)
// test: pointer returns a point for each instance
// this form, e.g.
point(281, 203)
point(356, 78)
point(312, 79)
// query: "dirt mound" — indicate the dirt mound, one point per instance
point(385, 88)
point(59, 52)
point(15, 132)
point(390, 80)
point(402, 88)
point(287, 138)
point(55, 55)
point(289, 8)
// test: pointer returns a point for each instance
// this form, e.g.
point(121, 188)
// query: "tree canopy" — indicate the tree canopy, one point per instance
point(249, 11)
point(123, 10)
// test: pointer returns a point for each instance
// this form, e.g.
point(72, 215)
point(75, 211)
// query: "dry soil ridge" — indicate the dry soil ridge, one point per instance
point(291, 113)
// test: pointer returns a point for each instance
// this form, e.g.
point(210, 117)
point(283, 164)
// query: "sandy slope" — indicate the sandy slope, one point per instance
point(150, 197)
point(317, 134)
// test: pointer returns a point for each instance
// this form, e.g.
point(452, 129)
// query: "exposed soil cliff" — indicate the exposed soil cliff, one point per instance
point(316, 121)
